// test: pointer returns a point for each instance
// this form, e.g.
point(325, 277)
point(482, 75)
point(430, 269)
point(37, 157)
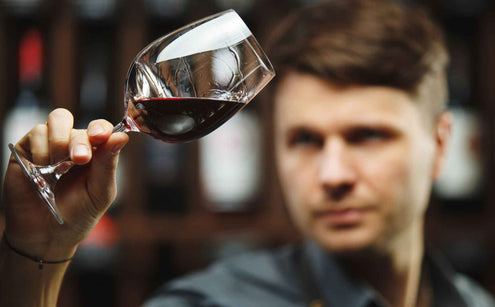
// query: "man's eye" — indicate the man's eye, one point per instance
point(305, 138)
point(367, 135)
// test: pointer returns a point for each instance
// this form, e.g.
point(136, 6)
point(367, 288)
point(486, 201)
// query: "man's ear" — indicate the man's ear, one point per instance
point(443, 131)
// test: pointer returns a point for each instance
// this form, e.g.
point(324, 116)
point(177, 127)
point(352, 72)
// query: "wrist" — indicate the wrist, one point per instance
point(22, 283)
point(49, 252)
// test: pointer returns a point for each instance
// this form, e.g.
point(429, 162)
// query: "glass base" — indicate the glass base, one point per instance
point(42, 184)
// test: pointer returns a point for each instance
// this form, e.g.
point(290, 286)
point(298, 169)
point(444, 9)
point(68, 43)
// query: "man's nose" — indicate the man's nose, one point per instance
point(337, 173)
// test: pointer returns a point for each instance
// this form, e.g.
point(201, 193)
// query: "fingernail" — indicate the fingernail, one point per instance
point(117, 148)
point(95, 130)
point(80, 150)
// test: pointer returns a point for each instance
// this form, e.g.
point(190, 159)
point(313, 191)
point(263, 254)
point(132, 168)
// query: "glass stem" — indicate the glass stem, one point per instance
point(52, 173)
point(121, 127)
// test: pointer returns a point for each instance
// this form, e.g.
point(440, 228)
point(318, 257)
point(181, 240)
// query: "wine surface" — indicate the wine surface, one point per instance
point(180, 119)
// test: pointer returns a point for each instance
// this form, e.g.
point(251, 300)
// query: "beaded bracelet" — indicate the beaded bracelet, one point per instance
point(40, 262)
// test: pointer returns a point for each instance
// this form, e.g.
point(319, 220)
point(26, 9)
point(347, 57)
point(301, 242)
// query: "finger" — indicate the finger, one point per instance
point(38, 145)
point(60, 123)
point(99, 131)
point(102, 176)
point(24, 147)
point(79, 147)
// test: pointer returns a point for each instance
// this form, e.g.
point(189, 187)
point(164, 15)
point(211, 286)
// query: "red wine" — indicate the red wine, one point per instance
point(180, 119)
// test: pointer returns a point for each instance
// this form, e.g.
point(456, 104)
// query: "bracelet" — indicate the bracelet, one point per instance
point(40, 262)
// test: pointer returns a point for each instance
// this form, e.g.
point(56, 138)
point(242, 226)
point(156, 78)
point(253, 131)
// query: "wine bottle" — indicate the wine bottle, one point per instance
point(29, 107)
point(230, 164)
point(95, 32)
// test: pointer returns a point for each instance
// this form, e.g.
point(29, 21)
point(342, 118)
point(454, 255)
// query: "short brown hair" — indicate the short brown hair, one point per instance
point(365, 42)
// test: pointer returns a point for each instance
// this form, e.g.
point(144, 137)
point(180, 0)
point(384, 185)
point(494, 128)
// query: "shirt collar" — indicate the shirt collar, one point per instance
point(442, 277)
point(338, 288)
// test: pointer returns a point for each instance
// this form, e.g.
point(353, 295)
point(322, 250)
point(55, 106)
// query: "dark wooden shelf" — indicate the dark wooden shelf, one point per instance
point(202, 226)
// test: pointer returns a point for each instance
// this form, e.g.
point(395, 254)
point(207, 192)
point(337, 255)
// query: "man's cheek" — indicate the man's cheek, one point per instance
point(388, 171)
point(296, 190)
point(293, 186)
point(388, 185)
point(295, 171)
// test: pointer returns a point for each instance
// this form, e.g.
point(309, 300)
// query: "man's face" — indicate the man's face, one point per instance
point(356, 163)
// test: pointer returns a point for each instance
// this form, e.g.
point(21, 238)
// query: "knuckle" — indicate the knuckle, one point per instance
point(58, 142)
point(39, 154)
point(79, 137)
point(78, 134)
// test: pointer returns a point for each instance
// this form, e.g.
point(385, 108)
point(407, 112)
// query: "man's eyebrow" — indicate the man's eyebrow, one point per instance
point(301, 129)
point(372, 125)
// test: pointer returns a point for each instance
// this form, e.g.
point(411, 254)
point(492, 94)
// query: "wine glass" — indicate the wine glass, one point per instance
point(179, 88)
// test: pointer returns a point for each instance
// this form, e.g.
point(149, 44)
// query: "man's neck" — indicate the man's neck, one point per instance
point(394, 270)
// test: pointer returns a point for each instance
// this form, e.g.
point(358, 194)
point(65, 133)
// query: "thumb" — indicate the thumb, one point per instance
point(102, 183)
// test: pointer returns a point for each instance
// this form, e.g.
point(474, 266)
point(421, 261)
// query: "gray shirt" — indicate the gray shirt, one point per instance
point(273, 278)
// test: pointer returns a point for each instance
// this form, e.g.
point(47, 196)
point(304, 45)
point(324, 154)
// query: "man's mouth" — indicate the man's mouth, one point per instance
point(339, 217)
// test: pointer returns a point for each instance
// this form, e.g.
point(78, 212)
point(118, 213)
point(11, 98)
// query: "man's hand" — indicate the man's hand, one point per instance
point(82, 195)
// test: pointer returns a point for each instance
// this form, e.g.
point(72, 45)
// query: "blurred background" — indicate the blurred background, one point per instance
point(183, 206)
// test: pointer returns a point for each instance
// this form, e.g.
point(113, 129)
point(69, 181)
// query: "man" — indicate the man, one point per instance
point(360, 135)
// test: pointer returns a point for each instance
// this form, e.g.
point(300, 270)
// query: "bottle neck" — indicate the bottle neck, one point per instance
point(30, 94)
